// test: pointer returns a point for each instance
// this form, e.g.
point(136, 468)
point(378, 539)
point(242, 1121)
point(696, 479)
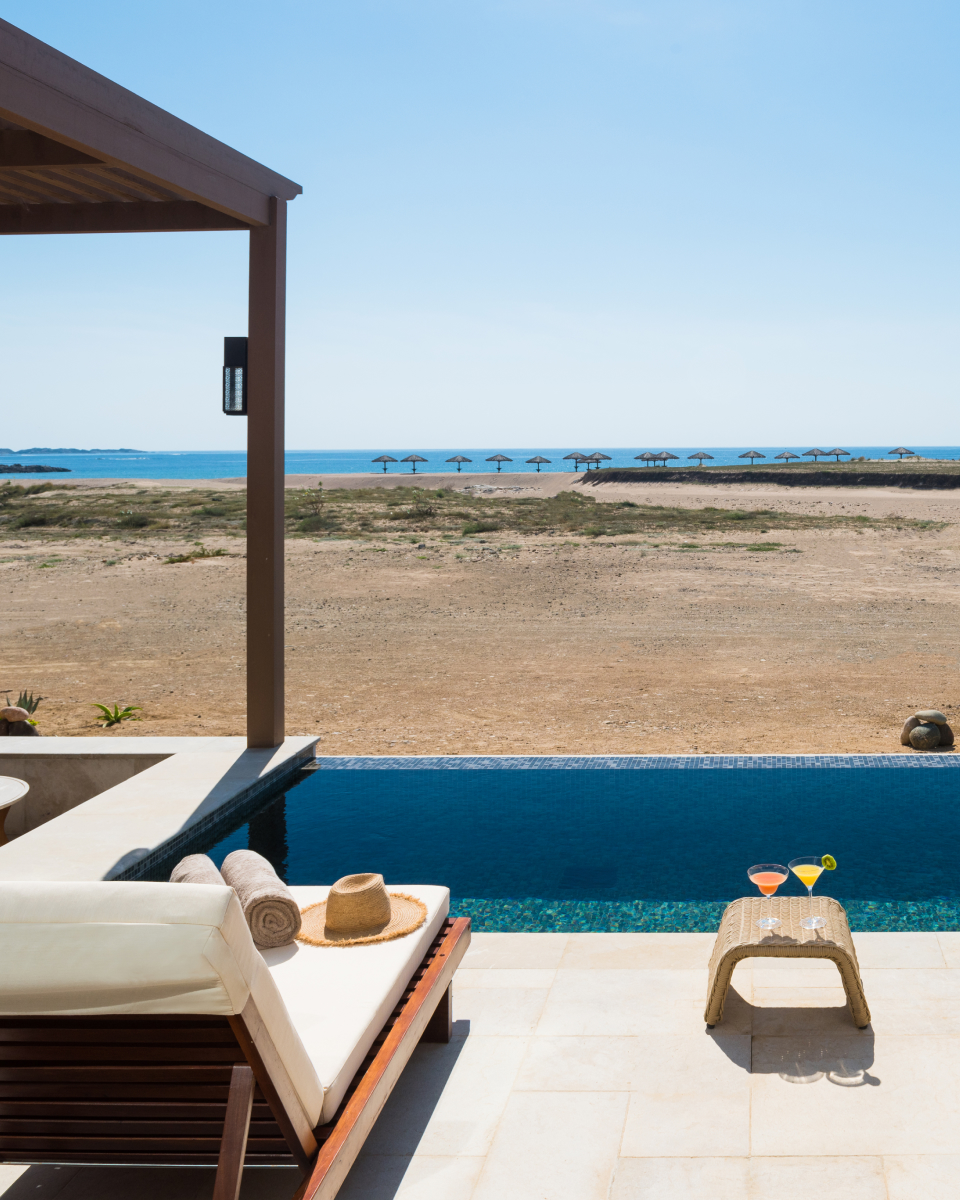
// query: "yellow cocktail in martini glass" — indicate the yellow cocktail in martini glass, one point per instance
point(808, 871)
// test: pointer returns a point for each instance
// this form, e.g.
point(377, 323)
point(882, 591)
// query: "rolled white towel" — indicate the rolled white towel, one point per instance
point(196, 868)
point(271, 911)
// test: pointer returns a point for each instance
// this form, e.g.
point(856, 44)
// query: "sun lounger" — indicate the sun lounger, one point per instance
point(139, 1024)
point(740, 937)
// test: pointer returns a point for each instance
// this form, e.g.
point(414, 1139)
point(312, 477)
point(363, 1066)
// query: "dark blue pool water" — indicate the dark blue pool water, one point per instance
point(556, 845)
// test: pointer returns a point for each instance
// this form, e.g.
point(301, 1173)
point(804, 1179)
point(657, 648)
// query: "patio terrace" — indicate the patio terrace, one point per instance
point(580, 1069)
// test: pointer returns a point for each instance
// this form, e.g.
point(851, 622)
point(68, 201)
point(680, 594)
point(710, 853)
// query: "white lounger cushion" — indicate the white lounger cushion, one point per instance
point(93, 947)
point(340, 996)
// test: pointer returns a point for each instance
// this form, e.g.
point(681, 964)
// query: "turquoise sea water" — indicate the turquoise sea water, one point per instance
point(634, 843)
point(230, 464)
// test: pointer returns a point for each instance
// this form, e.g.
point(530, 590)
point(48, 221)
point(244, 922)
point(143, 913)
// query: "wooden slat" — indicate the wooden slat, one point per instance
point(80, 1090)
point(152, 1159)
point(107, 1055)
point(140, 1145)
point(133, 1127)
point(131, 1110)
point(104, 1035)
point(182, 1073)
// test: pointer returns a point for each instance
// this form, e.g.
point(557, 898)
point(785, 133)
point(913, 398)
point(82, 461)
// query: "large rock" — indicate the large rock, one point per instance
point(946, 735)
point(13, 713)
point(931, 716)
point(925, 737)
point(18, 729)
point(909, 724)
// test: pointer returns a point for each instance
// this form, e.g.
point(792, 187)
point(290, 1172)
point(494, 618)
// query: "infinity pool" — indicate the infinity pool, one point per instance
point(631, 843)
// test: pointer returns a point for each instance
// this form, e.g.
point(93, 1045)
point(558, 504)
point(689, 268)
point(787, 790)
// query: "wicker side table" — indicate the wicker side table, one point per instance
point(739, 937)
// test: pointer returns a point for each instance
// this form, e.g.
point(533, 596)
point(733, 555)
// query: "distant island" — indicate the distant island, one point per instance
point(28, 468)
point(68, 450)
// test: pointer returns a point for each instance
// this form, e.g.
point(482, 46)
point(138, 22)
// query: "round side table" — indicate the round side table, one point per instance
point(11, 790)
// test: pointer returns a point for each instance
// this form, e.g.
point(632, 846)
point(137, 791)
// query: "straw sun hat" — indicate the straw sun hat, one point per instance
point(359, 910)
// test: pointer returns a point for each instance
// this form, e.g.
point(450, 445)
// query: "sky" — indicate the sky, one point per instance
point(524, 222)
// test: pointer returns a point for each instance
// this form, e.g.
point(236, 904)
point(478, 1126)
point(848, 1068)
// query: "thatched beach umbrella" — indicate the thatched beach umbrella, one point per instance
point(814, 453)
point(413, 458)
point(786, 455)
point(596, 458)
point(498, 459)
point(701, 454)
point(753, 455)
point(902, 450)
point(577, 457)
point(647, 457)
point(837, 451)
point(384, 458)
point(538, 460)
point(665, 454)
point(458, 459)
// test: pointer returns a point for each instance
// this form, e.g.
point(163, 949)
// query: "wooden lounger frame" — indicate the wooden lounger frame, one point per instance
point(194, 1090)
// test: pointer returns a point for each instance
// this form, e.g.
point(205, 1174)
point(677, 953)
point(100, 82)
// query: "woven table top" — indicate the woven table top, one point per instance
point(739, 925)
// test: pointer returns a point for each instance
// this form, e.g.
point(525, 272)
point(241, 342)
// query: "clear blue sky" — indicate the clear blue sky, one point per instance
point(524, 223)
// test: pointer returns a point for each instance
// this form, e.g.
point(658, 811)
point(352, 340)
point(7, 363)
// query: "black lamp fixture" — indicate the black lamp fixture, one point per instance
point(235, 376)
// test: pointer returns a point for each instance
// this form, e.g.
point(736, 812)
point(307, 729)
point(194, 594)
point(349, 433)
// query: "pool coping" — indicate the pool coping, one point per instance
point(122, 832)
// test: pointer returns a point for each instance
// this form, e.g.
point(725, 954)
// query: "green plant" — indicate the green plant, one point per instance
point(480, 527)
point(133, 520)
point(203, 552)
point(116, 715)
point(28, 702)
point(318, 523)
point(314, 499)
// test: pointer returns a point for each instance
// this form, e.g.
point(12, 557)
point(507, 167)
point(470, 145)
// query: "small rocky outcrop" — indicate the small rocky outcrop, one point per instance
point(926, 730)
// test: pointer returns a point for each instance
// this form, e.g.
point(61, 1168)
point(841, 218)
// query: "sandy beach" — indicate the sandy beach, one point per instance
point(514, 643)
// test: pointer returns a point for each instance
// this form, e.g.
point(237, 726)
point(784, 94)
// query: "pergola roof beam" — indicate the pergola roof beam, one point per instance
point(148, 216)
point(48, 93)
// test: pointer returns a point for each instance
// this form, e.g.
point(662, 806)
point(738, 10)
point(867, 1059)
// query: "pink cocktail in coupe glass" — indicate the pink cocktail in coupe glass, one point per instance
point(768, 877)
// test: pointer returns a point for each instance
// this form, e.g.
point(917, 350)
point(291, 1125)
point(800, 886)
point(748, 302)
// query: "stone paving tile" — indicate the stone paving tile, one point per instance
point(680, 1179)
point(504, 977)
point(421, 1177)
point(622, 1003)
point(554, 1146)
point(950, 948)
point(449, 1098)
point(581, 1064)
point(898, 950)
point(855, 1094)
point(530, 951)
point(511, 1012)
point(694, 1098)
point(593, 951)
point(922, 1176)
point(749, 1179)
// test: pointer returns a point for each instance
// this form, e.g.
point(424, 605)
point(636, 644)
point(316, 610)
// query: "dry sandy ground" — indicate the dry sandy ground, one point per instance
point(542, 649)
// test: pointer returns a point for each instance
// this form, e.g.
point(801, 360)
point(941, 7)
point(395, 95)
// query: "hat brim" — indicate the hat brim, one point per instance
point(407, 913)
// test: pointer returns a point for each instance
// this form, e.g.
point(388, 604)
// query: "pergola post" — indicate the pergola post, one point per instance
point(265, 466)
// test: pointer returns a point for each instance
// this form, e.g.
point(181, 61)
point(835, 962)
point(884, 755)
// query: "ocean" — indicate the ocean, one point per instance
point(224, 464)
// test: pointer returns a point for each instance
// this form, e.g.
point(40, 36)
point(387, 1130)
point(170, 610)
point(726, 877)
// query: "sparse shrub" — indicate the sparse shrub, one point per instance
point(116, 715)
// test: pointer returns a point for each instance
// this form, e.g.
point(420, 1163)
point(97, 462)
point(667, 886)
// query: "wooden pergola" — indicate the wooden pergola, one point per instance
point(80, 154)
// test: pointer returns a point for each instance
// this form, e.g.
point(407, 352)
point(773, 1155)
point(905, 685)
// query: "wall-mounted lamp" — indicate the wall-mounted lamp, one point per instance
point(235, 376)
